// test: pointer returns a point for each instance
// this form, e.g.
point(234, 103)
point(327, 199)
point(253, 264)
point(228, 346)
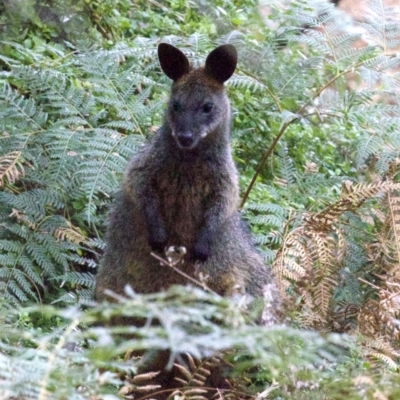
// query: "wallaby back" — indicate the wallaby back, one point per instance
point(182, 190)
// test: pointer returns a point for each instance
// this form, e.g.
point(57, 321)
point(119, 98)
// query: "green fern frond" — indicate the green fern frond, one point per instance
point(75, 136)
point(246, 82)
point(79, 278)
point(286, 168)
point(271, 208)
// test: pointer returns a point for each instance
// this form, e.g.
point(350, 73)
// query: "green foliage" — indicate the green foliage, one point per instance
point(76, 360)
point(111, 21)
point(70, 136)
point(190, 320)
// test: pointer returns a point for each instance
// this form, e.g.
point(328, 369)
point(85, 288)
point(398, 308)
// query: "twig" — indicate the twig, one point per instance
point(264, 158)
point(170, 265)
point(369, 283)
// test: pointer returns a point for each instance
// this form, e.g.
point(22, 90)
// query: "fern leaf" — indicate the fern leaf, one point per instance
point(394, 208)
point(10, 167)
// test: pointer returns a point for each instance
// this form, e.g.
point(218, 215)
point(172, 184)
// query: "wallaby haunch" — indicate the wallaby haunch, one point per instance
point(182, 190)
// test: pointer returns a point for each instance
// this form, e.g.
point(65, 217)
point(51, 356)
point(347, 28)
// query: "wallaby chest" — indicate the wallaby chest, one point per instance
point(185, 190)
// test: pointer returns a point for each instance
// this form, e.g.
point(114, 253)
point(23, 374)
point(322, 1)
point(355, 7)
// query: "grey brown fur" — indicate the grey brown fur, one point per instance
point(182, 190)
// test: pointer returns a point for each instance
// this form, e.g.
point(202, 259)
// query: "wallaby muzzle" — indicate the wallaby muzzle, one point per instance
point(186, 140)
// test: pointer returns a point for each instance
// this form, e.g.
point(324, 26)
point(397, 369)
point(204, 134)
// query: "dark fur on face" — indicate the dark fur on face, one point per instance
point(194, 112)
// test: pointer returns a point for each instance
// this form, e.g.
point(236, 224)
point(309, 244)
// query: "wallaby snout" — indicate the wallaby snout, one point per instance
point(185, 140)
point(193, 114)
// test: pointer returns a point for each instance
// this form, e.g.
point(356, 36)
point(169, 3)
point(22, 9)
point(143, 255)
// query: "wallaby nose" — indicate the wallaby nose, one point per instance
point(185, 139)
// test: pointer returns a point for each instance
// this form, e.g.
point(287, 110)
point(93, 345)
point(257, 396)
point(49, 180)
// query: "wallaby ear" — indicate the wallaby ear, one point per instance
point(173, 62)
point(221, 62)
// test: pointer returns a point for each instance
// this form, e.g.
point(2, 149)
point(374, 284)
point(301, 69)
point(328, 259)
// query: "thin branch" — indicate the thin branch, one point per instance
point(368, 283)
point(171, 265)
point(263, 160)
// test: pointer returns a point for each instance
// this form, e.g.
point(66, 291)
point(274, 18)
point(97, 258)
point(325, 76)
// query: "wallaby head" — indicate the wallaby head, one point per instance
point(198, 107)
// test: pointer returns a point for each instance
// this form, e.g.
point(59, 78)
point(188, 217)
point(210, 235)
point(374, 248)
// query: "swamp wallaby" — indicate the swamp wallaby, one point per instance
point(182, 190)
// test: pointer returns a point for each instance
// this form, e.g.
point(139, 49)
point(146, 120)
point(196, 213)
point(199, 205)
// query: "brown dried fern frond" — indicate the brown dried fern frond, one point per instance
point(193, 377)
point(369, 320)
point(379, 349)
point(70, 233)
point(379, 317)
point(393, 199)
point(292, 261)
point(351, 200)
point(322, 246)
point(307, 259)
point(140, 385)
point(344, 317)
point(389, 311)
point(311, 254)
point(11, 169)
point(322, 294)
point(310, 318)
point(22, 218)
point(341, 244)
point(203, 379)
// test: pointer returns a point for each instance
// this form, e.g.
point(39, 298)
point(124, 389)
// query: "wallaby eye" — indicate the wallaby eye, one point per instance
point(207, 107)
point(176, 106)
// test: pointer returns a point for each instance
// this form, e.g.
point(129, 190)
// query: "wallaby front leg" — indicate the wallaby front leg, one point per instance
point(155, 224)
point(201, 249)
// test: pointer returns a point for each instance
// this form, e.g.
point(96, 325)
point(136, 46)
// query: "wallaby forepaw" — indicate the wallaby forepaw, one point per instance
point(158, 244)
point(157, 247)
point(200, 252)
